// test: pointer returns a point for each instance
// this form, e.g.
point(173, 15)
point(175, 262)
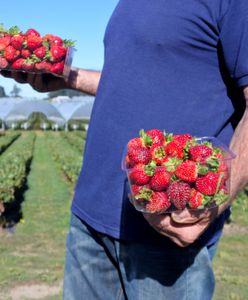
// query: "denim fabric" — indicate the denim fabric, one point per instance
point(99, 267)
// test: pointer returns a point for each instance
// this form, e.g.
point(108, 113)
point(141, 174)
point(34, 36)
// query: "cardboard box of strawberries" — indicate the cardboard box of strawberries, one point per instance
point(30, 52)
point(169, 172)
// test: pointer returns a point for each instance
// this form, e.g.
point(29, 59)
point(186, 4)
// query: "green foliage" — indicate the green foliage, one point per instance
point(13, 167)
point(69, 159)
point(75, 140)
point(7, 140)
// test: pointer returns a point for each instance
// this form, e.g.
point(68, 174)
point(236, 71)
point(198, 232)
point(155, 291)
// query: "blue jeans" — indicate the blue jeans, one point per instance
point(99, 267)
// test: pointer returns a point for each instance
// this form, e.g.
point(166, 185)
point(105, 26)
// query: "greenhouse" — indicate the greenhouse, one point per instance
point(22, 111)
point(72, 113)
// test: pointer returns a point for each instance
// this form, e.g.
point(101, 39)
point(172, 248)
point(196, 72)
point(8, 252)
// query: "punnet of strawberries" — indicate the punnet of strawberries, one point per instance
point(169, 172)
point(30, 52)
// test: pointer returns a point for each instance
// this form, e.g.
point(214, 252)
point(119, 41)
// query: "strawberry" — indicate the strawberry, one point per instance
point(179, 194)
point(133, 143)
point(158, 203)
point(174, 148)
point(40, 52)
point(139, 155)
point(4, 41)
point(17, 41)
point(158, 154)
point(17, 64)
point(223, 169)
point(128, 163)
point(3, 63)
point(157, 136)
point(196, 199)
point(28, 64)
point(33, 32)
point(58, 68)
point(141, 174)
point(187, 171)
point(10, 53)
point(141, 193)
point(182, 139)
point(56, 41)
point(25, 53)
point(210, 183)
point(43, 66)
point(200, 153)
point(160, 180)
point(58, 53)
point(33, 42)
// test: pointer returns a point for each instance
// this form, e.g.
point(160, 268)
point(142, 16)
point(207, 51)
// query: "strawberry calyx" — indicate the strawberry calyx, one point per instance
point(150, 168)
point(146, 139)
point(144, 194)
point(14, 30)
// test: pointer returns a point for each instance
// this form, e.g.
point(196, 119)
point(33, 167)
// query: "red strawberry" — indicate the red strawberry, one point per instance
point(210, 183)
point(56, 41)
point(17, 41)
point(158, 154)
point(187, 171)
point(128, 163)
point(200, 153)
point(25, 53)
point(4, 41)
point(58, 68)
point(3, 63)
point(179, 194)
point(33, 42)
point(183, 138)
point(58, 53)
point(133, 143)
point(138, 175)
point(17, 64)
point(32, 31)
point(28, 64)
point(160, 180)
point(43, 66)
point(139, 155)
point(223, 169)
point(158, 203)
point(40, 52)
point(157, 136)
point(10, 53)
point(48, 37)
point(196, 199)
point(174, 148)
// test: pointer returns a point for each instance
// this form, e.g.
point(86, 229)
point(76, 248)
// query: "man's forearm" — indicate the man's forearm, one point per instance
point(84, 80)
point(239, 172)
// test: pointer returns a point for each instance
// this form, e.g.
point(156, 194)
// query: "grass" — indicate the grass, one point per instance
point(231, 261)
point(35, 253)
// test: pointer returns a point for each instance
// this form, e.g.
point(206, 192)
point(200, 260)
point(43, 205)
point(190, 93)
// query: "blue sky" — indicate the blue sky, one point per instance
point(79, 20)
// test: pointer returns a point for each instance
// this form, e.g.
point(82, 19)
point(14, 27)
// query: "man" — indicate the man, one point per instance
point(174, 65)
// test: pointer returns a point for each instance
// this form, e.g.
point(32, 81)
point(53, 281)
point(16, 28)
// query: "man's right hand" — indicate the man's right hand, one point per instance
point(40, 82)
point(85, 81)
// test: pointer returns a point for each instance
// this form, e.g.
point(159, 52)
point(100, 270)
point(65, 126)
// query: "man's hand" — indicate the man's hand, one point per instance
point(81, 80)
point(39, 82)
point(182, 228)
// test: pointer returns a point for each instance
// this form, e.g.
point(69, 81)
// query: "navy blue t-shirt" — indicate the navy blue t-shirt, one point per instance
point(176, 65)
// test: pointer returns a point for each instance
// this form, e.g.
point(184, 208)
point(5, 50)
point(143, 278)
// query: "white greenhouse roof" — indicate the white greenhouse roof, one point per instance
point(24, 109)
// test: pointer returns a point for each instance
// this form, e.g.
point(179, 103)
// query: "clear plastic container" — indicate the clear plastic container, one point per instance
point(210, 189)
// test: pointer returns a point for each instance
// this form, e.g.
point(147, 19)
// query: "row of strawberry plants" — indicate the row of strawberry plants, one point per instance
point(7, 140)
point(74, 139)
point(69, 159)
point(14, 167)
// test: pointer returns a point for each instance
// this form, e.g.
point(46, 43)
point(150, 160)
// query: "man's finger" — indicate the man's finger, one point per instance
point(6, 74)
point(20, 77)
point(189, 216)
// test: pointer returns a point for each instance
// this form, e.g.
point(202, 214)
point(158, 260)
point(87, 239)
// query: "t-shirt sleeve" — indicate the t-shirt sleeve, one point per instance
point(234, 40)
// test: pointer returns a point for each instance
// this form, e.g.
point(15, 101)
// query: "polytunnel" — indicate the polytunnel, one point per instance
point(23, 110)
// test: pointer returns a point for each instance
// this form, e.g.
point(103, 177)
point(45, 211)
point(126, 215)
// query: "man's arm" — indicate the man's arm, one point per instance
point(82, 80)
point(185, 227)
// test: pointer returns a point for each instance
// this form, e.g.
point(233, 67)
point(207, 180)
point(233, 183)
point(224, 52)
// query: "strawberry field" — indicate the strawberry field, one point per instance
point(38, 171)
